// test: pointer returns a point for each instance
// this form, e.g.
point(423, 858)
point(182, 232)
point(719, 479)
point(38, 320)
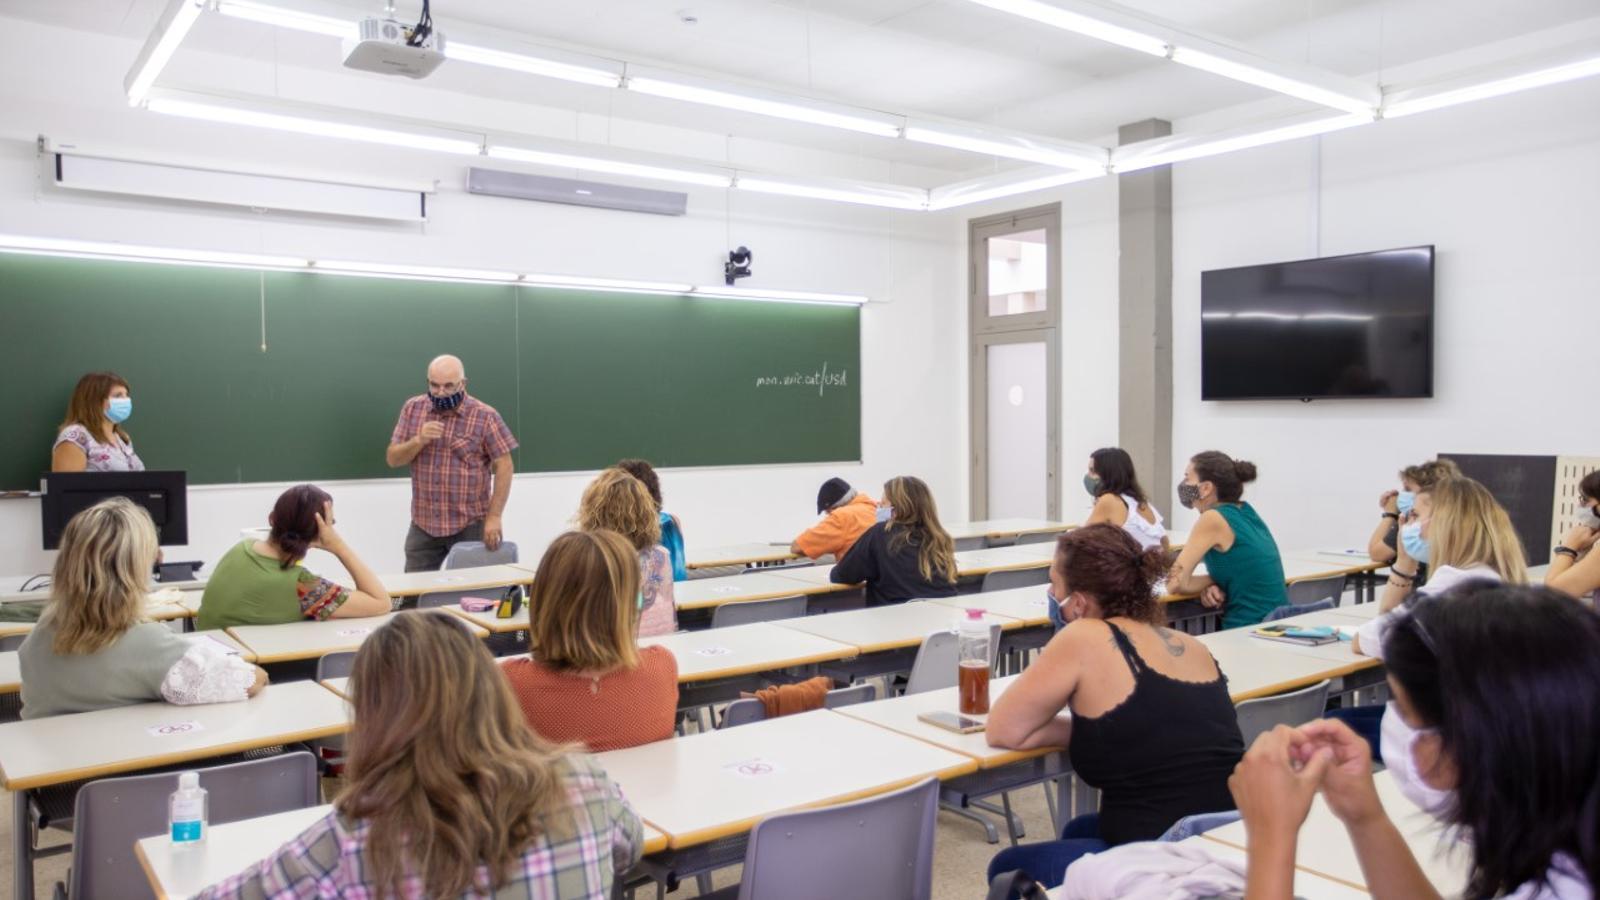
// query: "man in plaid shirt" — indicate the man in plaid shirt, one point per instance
point(453, 443)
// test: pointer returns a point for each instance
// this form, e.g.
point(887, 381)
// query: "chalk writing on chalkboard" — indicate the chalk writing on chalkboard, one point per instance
point(821, 379)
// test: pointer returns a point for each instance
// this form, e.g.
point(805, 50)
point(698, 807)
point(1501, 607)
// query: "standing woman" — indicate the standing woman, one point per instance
point(908, 557)
point(1244, 568)
point(617, 501)
point(92, 438)
point(671, 528)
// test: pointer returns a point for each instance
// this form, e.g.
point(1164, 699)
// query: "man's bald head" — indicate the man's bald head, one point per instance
point(446, 368)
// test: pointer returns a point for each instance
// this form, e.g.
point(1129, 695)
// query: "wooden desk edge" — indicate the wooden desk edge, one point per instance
point(151, 762)
point(801, 588)
point(706, 835)
point(1007, 758)
point(1357, 664)
point(478, 631)
point(776, 556)
point(845, 651)
point(655, 844)
point(497, 627)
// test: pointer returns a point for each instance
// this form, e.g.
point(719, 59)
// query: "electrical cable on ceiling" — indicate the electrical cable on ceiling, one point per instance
point(423, 28)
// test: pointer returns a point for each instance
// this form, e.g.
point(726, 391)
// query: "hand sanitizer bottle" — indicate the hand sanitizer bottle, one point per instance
point(186, 811)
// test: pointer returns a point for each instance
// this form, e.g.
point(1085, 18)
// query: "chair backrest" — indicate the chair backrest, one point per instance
point(881, 847)
point(113, 813)
point(466, 554)
point(1305, 593)
point(1284, 612)
point(865, 692)
point(1293, 708)
point(335, 665)
point(1015, 578)
point(743, 712)
point(1038, 537)
point(12, 642)
point(971, 543)
point(745, 612)
point(937, 659)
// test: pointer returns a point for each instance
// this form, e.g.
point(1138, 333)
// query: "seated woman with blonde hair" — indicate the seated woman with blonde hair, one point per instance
point(587, 679)
point(617, 501)
point(92, 650)
point(449, 793)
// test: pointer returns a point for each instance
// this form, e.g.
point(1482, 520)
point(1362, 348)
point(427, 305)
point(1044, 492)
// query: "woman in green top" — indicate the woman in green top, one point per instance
point(263, 583)
point(1243, 566)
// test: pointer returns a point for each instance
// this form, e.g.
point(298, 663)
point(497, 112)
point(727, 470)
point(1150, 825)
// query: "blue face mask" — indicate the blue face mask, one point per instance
point(885, 513)
point(1404, 501)
point(449, 402)
point(1411, 538)
point(119, 410)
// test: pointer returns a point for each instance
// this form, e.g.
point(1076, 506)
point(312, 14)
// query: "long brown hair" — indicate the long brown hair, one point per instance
point(88, 404)
point(915, 516)
point(442, 764)
point(1468, 527)
point(584, 609)
point(101, 576)
point(617, 501)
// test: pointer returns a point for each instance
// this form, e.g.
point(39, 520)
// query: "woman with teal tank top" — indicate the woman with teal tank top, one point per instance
point(1244, 571)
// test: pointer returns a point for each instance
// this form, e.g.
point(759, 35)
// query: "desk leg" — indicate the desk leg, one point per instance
point(22, 847)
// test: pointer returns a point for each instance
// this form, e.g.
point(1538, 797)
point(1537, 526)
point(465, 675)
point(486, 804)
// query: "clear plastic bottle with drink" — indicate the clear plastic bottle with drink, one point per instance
point(973, 656)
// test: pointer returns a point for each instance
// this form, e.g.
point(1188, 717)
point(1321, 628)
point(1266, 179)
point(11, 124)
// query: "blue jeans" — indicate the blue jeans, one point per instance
point(1046, 862)
point(1366, 721)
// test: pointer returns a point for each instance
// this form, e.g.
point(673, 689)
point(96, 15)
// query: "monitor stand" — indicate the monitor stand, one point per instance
point(178, 571)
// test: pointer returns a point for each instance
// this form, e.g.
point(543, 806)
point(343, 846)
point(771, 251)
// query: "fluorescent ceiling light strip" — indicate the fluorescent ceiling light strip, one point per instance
point(1203, 148)
point(1078, 23)
point(288, 18)
point(909, 200)
point(176, 20)
point(729, 293)
point(615, 284)
point(1272, 81)
point(1024, 150)
point(965, 197)
point(1499, 87)
point(304, 125)
point(402, 270)
point(614, 167)
point(110, 249)
point(793, 111)
point(532, 65)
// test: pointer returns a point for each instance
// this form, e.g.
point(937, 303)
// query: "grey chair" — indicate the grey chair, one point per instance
point(12, 642)
point(1293, 708)
point(1038, 537)
point(1015, 578)
point(1305, 593)
point(866, 692)
point(971, 543)
point(881, 847)
point(466, 554)
point(1284, 612)
point(330, 750)
point(113, 813)
point(748, 611)
point(937, 660)
point(1200, 823)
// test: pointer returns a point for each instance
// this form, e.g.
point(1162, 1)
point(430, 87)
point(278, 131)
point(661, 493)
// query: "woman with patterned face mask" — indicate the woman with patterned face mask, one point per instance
point(1494, 730)
point(1574, 567)
point(1244, 568)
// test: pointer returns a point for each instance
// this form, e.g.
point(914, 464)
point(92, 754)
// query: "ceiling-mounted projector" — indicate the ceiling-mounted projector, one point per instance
point(390, 47)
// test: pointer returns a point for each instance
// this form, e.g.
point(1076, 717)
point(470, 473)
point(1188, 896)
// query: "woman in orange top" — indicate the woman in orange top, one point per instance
point(586, 679)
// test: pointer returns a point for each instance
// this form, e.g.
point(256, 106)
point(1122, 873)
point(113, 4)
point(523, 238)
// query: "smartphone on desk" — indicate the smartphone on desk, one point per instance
point(950, 721)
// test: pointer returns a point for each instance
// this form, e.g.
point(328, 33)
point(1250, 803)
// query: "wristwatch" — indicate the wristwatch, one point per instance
point(1390, 515)
point(1565, 551)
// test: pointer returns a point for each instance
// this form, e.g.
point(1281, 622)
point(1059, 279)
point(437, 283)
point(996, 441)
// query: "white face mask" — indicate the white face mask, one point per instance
point(1398, 747)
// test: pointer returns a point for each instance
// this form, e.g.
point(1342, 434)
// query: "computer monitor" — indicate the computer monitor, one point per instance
point(165, 495)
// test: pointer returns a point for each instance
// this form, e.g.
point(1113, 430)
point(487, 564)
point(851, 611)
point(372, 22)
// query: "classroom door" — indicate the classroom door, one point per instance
point(1014, 299)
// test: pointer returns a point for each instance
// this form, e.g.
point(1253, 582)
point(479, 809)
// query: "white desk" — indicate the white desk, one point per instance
point(58, 749)
point(708, 593)
point(880, 628)
point(1261, 668)
point(310, 640)
point(1003, 528)
point(1325, 848)
point(717, 784)
point(753, 553)
point(899, 714)
point(231, 848)
point(745, 649)
point(1027, 605)
point(484, 578)
point(10, 672)
point(159, 607)
point(1305, 565)
point(1001, 559)
point(489, 622)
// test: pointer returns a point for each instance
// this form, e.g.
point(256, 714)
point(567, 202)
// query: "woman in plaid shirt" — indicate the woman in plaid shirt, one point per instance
point(450, 793)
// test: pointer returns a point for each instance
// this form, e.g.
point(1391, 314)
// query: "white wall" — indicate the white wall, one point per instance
point(67, 85)
point(1508, 191)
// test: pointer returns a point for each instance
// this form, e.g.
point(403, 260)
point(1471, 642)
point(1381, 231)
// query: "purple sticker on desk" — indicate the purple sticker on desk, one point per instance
point(174, 728)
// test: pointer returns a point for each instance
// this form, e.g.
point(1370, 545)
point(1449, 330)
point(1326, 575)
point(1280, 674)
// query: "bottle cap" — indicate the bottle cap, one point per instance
point(188, 781)
point(975, 615)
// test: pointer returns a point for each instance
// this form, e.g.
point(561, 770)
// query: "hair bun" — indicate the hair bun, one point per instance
point(1245, 470)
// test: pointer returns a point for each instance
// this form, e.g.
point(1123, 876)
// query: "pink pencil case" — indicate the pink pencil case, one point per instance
point(478, 604)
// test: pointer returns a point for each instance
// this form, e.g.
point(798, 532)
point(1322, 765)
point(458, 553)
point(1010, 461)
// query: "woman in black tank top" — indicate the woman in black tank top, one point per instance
point(1157, 752)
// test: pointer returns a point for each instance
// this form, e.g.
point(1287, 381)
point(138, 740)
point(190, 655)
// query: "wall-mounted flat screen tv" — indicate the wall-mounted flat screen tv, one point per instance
point(1337, 327)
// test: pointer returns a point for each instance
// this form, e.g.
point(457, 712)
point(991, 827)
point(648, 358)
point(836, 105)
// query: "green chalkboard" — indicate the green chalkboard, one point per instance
point(246, 376)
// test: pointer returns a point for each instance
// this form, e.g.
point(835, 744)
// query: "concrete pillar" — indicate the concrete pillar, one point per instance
point(1144, 318)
